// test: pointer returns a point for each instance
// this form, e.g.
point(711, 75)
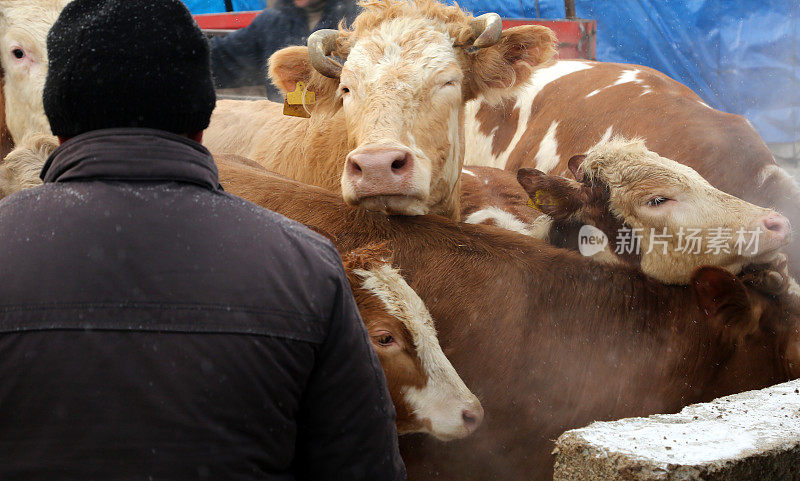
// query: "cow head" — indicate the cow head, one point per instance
point(656, 213)
point(23, 56)
point(427, 393)
point(408, 70)
point(755, 318)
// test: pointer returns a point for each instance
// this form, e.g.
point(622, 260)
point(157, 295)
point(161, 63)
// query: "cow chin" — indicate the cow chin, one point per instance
point(393, 204)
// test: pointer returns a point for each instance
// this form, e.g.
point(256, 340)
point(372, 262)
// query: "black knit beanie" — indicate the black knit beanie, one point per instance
point(127, 63)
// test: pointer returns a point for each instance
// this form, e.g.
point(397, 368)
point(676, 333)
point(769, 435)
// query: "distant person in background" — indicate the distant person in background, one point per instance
point(240, 59)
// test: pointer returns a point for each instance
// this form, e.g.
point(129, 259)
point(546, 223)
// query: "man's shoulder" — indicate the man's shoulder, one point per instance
point(271, 223)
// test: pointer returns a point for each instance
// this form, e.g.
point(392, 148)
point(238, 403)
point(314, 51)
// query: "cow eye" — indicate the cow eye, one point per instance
point(18, 53)
point(656, 201)
point(345, 90)
point(384, 338)
point(451, 83)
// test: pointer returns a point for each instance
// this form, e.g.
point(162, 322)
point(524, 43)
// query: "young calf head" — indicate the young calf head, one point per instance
point(681, 222)
point(427, 393)
point(409, 69)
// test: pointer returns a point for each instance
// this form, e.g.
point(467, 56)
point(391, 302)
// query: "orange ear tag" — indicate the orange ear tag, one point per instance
point(297, 100)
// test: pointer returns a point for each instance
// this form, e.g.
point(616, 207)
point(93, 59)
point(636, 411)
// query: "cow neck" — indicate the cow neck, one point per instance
point(131, 154)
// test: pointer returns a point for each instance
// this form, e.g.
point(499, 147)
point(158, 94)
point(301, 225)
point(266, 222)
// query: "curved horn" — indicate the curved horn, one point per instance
point(486, 30)
point(320, 44)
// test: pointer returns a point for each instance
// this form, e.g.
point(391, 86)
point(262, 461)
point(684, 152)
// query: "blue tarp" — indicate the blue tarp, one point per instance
point(740, 56)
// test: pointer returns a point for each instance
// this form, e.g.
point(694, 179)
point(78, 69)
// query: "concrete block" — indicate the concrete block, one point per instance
point(752, 436)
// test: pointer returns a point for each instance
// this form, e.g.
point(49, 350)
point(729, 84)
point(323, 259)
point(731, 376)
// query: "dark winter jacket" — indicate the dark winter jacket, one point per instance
point(153, 327)
point(240, 58)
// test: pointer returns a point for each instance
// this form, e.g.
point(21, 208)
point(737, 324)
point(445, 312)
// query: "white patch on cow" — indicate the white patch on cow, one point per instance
point(479, 146)
point(541, 227)
point(627, 76)
point(607, 135)
point(501, 218)
point(793, 288)
point(646, 91)
point(782, 177)
point(468, 172)
point(445, 396)
point(703, 104)
point(547, 156)
point(767, 172)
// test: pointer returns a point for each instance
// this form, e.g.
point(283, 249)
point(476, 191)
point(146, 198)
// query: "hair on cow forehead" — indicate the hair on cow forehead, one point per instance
point(621, 161)
point(375, 12)
point(385, 281)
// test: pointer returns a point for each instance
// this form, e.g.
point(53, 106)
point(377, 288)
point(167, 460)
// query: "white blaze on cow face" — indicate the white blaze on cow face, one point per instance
point(401, 91)
point(442, 405)
point(23, 56)
point(666, 199)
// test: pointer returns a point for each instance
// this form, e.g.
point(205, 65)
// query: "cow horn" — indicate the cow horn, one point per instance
point(320, 44)
point(486, 30)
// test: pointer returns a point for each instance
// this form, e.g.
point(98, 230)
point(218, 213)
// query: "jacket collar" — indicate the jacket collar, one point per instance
point(132, 154)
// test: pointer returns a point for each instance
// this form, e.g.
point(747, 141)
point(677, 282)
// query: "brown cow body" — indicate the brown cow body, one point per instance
point(549, 340)
point(572, 105)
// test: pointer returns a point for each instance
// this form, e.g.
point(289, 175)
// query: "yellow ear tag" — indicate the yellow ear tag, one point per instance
point(541, 198)
point(297, 100)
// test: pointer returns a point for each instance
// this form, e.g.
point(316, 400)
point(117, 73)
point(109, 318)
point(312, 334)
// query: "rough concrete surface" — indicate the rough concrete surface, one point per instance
point(753, 436)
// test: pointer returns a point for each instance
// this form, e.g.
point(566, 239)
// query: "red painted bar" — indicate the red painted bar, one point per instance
point(576, 38)
point(225, 21)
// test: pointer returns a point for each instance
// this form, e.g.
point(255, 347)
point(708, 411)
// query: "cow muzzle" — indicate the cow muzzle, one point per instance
point(776, 232)
point(386, 179)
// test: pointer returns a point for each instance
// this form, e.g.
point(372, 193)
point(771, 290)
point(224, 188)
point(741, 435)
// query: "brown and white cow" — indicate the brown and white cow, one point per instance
point(572, 105)
point(23, 57)
point(646, 210)
point(427, 393)
point(549, 340)
point(386, 127)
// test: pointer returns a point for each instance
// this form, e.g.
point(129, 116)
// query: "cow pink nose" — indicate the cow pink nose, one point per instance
point(380, 171)
point(472, 418)
point(778, 225)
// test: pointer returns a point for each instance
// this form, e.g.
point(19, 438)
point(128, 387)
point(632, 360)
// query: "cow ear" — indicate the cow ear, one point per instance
point(498, 71)
point(556, 196)
point(291, 65)
point(574, 165)
point(724, 300)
